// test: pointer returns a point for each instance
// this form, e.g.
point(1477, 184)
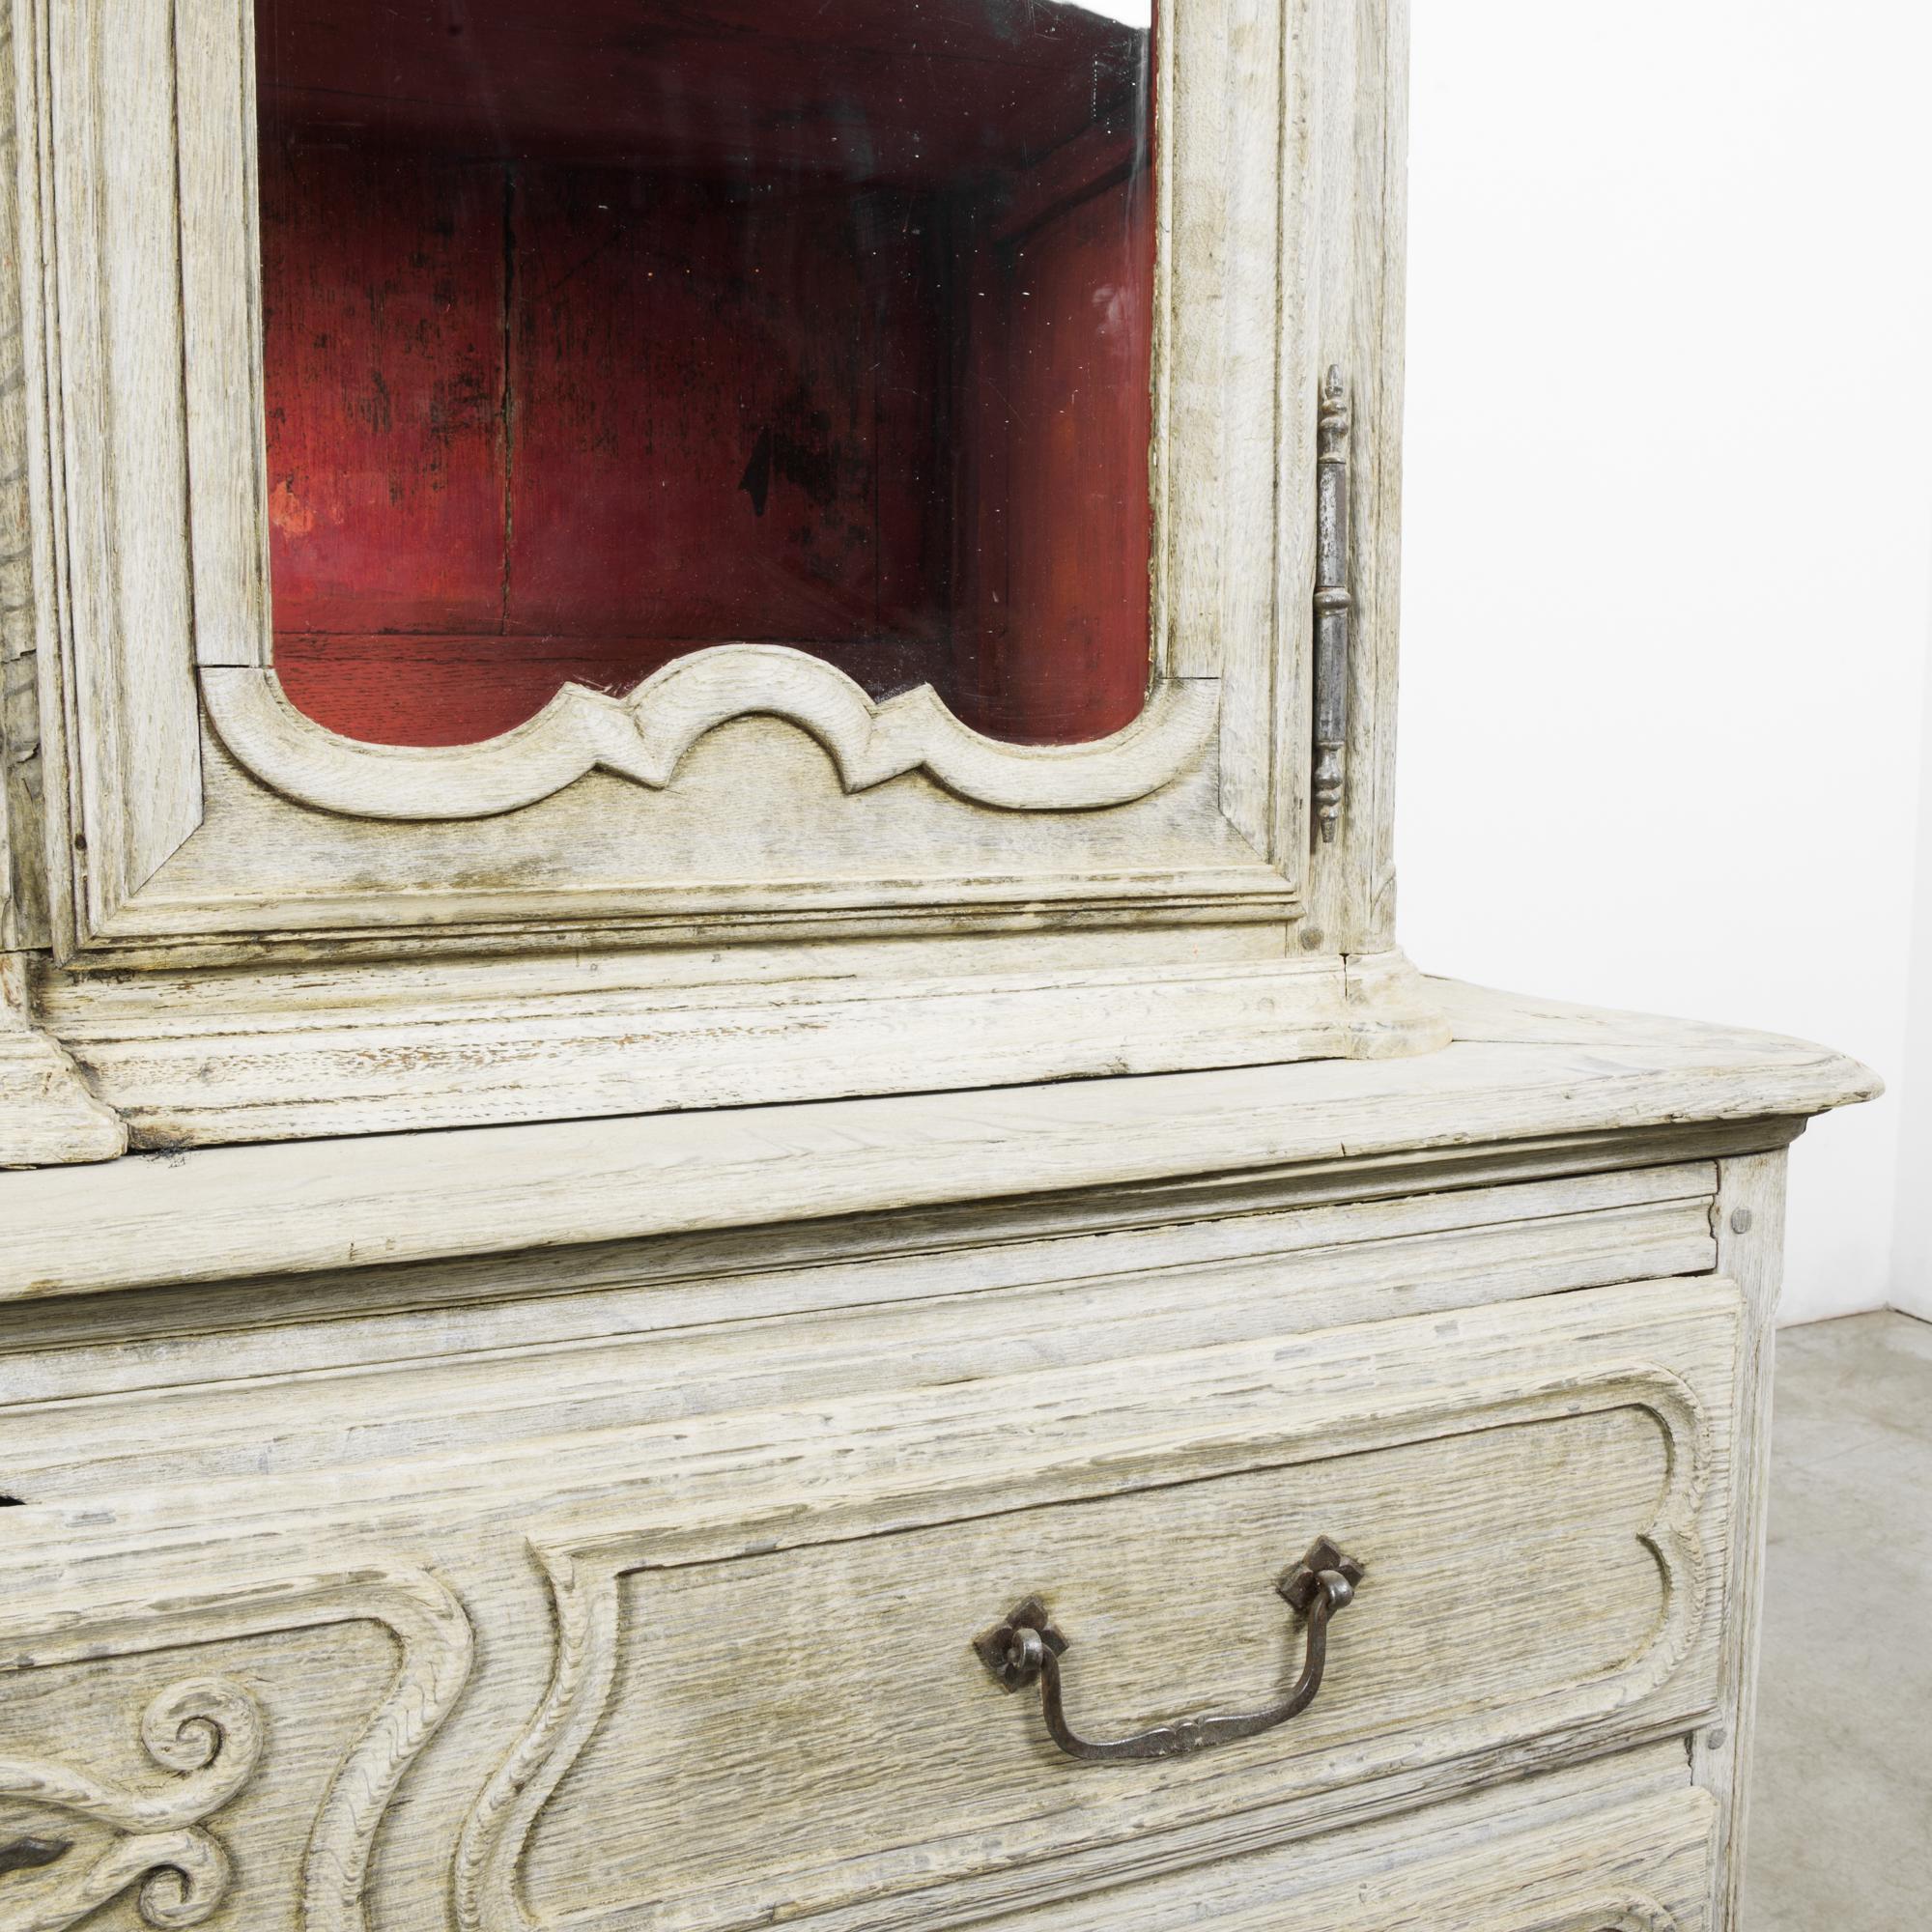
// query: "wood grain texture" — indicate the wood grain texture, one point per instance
point(701, 1503)
point(582, 1522)
point(1184, 1231)
point(221, 241)
point(209, 55)
point(1225, 333)
point(645, 735)
point(750, 844)
point(498, 1190)
point(49, 1115)
point(1618, 1847)
point(37, 784)
point(693, 1049)
point(833, 1788)
point(462, 688)
point(756, 839)
point(1381, 322)
point(124, 594)
point(314, 1448)
point(48, 1118)
point(1346, 232)
point(214, 1730)
point(691, 1334)
point(1748, 1217)
point(24, 917)
point(207, 1732)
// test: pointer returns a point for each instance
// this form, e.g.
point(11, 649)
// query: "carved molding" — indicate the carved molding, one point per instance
point(437, 1649)
point(585, 1575)
point(491, 1846)
point(207, 1732)
point(49, 1115)
point(645, 735)
point(211, 1733)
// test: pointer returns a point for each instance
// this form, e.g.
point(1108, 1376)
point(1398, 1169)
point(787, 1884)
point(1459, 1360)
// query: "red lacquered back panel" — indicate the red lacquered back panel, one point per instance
point(538, 416)
point(383, 286)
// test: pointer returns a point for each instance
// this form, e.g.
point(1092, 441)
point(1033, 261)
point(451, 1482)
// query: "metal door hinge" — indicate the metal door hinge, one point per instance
point(1334, 607)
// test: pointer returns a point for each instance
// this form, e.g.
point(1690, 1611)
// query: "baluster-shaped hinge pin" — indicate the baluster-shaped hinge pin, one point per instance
point(1334, 607)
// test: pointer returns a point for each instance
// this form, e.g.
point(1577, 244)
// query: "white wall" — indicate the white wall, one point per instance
point(1912, 1240)
point(1668, 533)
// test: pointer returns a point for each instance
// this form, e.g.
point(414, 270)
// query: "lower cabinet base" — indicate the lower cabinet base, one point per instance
point(728, 1670)
point(646, 1574)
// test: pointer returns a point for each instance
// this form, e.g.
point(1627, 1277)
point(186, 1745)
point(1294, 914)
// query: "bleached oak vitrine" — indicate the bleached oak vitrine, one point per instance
point(541, 531)
point(725, 1205)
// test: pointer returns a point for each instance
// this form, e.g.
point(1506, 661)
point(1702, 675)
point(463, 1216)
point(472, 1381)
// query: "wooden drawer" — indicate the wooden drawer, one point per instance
point(1623, 1846)
point(712, 1674)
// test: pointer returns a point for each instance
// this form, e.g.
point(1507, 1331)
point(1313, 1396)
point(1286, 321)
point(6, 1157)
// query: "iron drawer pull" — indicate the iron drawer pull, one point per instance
point(1027, 1647)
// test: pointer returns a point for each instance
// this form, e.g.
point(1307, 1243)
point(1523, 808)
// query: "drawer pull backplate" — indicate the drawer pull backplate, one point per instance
point(1027, 1649)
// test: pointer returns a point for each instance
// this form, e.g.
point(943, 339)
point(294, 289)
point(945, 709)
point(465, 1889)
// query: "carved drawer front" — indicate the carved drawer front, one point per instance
point(220, 1757)
point(802, 1664)
point(1623, 1847)
point(827, 1707)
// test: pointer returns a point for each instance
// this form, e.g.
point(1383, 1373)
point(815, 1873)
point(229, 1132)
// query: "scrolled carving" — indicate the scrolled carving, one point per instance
point(585, 1600)
point(182, 1878)
point(207, 1725)
point(208, 1733)
point(437, 1648)
point(645, 737)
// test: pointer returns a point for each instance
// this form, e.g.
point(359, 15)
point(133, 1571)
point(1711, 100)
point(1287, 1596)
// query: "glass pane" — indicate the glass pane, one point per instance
point(601, 330)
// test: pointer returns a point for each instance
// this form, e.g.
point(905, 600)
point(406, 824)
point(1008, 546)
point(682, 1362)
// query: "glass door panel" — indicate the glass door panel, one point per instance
point(599, 332)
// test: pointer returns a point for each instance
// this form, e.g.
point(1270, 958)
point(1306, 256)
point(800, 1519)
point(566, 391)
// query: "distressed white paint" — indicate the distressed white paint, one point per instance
point(748, 843)
point(204, 1532)
point(1519, 1071)
point(623, 1439)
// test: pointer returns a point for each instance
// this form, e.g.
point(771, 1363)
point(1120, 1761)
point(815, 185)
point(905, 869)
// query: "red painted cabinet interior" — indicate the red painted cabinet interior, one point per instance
point(600, 331)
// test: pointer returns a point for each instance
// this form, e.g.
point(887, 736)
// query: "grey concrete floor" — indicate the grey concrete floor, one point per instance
point(1841, 1806)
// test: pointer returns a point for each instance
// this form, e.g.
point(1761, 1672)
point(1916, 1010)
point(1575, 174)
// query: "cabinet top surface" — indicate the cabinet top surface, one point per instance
point(1519, 1069)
